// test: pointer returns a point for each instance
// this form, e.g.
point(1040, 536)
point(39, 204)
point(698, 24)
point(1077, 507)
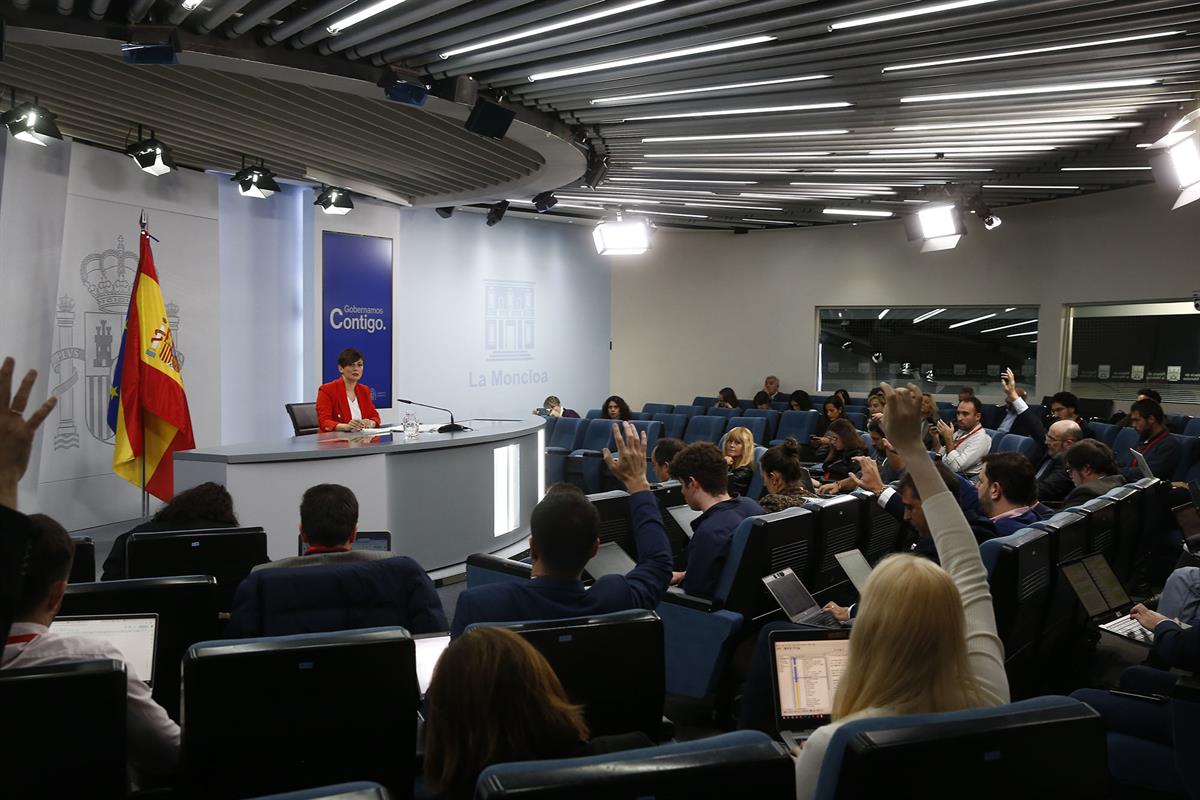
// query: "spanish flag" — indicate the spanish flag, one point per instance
point(147, 408)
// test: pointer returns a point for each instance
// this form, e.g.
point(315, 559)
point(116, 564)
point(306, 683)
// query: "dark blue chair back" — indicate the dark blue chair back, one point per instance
point(705, 402)
point(1177, 423)
point(551, 424)
point(949, 415)
point(724, 412)
point(995, 436)
point(772, 418)
point(639, 415)
point(859, 418)
point(993, 415)
point(756, 425)
point(704, 429)
point(1192, 428)
point(691, 411)
point(673, 424)
point(798, 424)
point(593, 413)
point(1012, 443)
point(781, 405)
point(1189, 456)
point(881, 533)
point(1104, 432)
point(567, 434)
point(745, 404)
point(1100, 514)
point(839, 527)
point(597, 436)
point(1020, 575)
point(658, 408)
point(1123, 445)
point(83, 566)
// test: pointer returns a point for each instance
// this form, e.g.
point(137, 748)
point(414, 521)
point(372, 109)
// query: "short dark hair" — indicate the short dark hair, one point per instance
point(704, 462)
point(975, 401)
point(328, 514)
point(206, 502)
point(666, 449)
point(1066, 400)
point(51, 551)
point(551, 400)
point(728, 395)
point(564, 527)
point(948, 478)
point(968, 389)
point(835, 401)
point(1014, 474)
point(349, 356)
point(1148, 409)
point(1094, 454)
point(1153, 395)
point(784, 459)
point(875, 426)
point(801, 398)
point(761, 398)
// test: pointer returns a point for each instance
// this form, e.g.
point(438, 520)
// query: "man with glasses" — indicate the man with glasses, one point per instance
point(1053, 478)
point(1065, 406)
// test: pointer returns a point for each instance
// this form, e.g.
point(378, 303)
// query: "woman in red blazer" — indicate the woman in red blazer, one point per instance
point(344, 404)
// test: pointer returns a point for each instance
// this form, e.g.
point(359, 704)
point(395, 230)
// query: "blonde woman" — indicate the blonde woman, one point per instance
point(924, 640)
point(739, 455)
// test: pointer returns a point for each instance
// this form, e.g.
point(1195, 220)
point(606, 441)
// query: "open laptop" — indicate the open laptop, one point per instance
point(808, 666)
point(135, 635)
point(683, 516)
point(796, 601)
point(429, 649)
point(1142, 465)
point(365, 540)
point(856, 567)
point(610, 559)
point(1104, 599)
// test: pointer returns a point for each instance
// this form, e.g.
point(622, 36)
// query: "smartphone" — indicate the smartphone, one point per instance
point(542, 412)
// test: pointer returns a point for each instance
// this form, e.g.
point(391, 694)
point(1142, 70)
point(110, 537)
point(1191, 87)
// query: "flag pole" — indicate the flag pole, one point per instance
point(144, 224)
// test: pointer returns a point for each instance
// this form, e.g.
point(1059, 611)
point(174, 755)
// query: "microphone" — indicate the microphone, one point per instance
point(453, 427)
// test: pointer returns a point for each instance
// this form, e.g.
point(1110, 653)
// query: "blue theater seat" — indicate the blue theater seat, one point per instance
point(1104, 432)
point(485, 568)
point(1177, 423)
point(995, 436)
point(781, 405)
point(1189, 457)
point(1123, 444)
point(745, 404)
point(859, 418)
point(1020, 577)
point(705, 429)
point(658, 408)
point(690, 411)
point(772, 418)
point(593, 413)
point(1012, 443)
point(548, 429)
point(673, 425)
point(756, 425)
point(83, 566)
point(566, 437)
point(1192, 428)
point(755, 489)
point(797, 424)
point(993, 415)
point(839, 525)
point(724, 412)
point(948, 415)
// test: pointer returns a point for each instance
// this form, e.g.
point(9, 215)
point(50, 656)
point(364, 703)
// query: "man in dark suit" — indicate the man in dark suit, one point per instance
point(1093, 470)
point(1008, 494)
point(565, 535)
point(1053, 480)
point(771, 387)
point(1158, 447)
point(1019, 418)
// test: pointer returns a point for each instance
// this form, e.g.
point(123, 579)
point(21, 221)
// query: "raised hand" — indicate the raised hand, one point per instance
point(902, 417)
point(630, 466)
point(1009, 380)
point(16, 432)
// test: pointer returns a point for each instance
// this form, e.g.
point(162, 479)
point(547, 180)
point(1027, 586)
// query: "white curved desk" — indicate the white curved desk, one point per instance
point(443, 496)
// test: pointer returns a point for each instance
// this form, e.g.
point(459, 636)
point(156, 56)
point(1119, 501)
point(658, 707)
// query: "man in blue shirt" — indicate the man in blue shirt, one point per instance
point(1008, 492)
point(703, 475)
point(565, 535)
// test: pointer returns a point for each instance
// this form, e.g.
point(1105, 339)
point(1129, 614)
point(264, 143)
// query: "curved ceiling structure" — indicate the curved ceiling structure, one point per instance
point(725, 113)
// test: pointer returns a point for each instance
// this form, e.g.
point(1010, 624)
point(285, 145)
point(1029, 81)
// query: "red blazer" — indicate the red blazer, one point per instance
point(333, 408)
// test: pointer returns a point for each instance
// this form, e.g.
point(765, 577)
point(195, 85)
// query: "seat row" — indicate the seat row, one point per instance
point(1122, 440)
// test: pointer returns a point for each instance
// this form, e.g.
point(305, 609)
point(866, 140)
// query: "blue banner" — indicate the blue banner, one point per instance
point(356, 307)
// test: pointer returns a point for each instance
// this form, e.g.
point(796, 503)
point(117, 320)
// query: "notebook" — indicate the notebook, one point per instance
point(610, 559)
point(683, 516)
point(1104, 599)
point(856, 567)
point(808, 666)
point(135, 635)
point(796, 601)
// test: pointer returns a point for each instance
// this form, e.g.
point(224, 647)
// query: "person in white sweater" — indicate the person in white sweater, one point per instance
point(925, 637)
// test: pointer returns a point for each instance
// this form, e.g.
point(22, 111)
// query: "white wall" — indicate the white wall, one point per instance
point(702, 310)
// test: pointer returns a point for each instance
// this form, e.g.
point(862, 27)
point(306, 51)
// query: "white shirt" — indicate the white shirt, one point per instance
point(153, 738)
point(354, 411)
point(1012, 411)
point(967, 456)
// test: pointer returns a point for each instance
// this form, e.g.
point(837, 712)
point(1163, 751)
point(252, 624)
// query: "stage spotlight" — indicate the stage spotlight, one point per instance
point(544, 202)
point(980, 209)
point(150, 155)
point(597, 170)
point(619, 238)
point(496, 213)
point(255, 181)
point(1177, 163)
point(29, 122)
point(938, 226)
point(409, 92)
point(445, 212)
point(334, 200)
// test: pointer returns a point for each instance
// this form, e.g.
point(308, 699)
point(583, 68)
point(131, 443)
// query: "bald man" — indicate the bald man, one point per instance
point(1053, 479)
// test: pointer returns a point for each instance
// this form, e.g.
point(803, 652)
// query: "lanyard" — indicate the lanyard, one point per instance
point(1153, 441)
point(22, 638)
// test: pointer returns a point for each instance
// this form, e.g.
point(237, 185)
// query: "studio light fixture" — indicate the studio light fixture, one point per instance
point(1034, 187)
point(856, 212)
point(445, 212)
point(938, 226)
point(529, 33)
point(496, 213)
point(349, 21)
point(625, 98)
point(1032, 51)
point(719, 170)
point(151, 155)
point(731, 112)
point(1058, 88)
point(717, 137)
point(29, 122)
point(622, 237)
point(191, 5)
point(334, 200)
point(651, 57)
point(544, 202)
point(914, 10)
point(255, 181)
point(1175, 160)
point(979, 208)
point(666, 213)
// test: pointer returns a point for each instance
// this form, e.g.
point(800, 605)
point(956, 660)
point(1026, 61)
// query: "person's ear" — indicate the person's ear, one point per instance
point(55, 597)
point(533, 553)
point(303, 535)
point(595, 548)
point(353, 535)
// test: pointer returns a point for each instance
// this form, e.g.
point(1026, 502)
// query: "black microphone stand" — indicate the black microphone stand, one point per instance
point(452, 427)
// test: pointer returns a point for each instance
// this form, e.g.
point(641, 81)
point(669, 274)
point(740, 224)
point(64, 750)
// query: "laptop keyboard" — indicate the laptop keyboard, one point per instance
point(823, 620)
point(1129, 627)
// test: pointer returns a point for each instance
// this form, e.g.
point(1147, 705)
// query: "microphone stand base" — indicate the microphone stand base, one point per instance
point(452, 427)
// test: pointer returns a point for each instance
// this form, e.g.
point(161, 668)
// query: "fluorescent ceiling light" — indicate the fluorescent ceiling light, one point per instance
point(928, 315)
point(713, 137)
point(342, 24)
point(1010, 325)
point(729, 112)
point(666, 213)
point(792, 154)
point(1103, 169)
point(933, 150)
point(191, 5)
point(937, 221)
point(903, 171)
point(915, 10)
point(678, 180)
point(726, 205)
point(1061, 187)
point(855, 212)
point(651, 57)
point(607, 199)
point(657, 190)
point(1033, 51)
point(622, 238)
point(1025, 333)
point(1010, 308)
point(1022, 121)
point(553, 26)
point(559, 205)
point(883, 313)
point(840, 185)
point(970, 321)
point(815, 193)
point(625, 98)
point(1026, 90)
point(718, 170)
point(768, 221)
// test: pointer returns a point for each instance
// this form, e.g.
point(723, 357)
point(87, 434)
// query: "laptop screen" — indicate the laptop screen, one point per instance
point(381, 540)
point(1107, 583)
point(1085, 589)
point(1143, 465)
point(793, 598)
point(808, 673)
point(133, 635)
point(428, 651)
point(610, 559)
point(855, 566)
point(683, 516)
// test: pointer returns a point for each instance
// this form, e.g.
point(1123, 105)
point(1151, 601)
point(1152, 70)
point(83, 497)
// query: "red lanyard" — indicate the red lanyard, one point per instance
point(1153, 442)
point(22, 638)
point(314, 549)
point(974, 431)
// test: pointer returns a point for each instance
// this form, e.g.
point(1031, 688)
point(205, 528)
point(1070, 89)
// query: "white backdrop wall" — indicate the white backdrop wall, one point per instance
point(725, 310)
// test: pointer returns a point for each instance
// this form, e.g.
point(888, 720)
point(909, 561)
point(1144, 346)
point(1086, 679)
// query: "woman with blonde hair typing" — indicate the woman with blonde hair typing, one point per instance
point(924, 640)
point(739, 455)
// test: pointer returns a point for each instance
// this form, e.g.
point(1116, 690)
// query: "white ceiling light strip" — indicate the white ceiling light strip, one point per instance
point(553, 26)
point(928, 315)
point(1105, 169)
point(1056, 88)
point(730, 112)
point(626, 98)
point(1063, 187)
point(650, 58)
point(665, 213)
point(972, 321)
point(915, 10)
point(856, 212)
point(679, 180)
point(1010, 325)
point(1023, 121)
point(1032, 51)
point(716, 137)
point(334, 28)
point(718, 170)
point(792, 154)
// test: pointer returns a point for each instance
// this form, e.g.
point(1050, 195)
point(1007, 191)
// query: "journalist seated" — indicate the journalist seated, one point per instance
point(565, 535)
point(328, 528)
